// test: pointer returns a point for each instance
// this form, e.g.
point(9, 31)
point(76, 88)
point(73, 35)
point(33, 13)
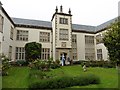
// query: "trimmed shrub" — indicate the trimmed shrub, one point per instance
point(36, 74)
point(105, 64)
point(86, 80)
point(65, 81)
point(54, 65)
point(21, 63)
point(53, 83)
point(76, 62)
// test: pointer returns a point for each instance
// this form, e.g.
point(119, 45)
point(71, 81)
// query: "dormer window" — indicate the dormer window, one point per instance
point(63, 21)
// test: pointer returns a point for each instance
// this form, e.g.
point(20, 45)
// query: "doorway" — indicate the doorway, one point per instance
point(65, 55)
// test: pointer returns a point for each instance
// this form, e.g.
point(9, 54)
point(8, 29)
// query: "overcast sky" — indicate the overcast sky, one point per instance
point(86, 12)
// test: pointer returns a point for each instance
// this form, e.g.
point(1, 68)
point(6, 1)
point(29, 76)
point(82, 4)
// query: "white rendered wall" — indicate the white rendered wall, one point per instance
point(5, 36)
point(81, 44)
point(1, 35)
point(104, 49)
point(33, 36)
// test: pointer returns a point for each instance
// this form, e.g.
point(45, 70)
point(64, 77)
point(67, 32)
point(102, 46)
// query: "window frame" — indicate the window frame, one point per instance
point(63, 34)
point(63, 21)
point(20, 53)
point(45, 54)
point(44, 37)
point(74, 46)
point(10, 52)
point(89, 40)
point(22, 35)
point(1, 23)
point(99, 54)
point(11, 33)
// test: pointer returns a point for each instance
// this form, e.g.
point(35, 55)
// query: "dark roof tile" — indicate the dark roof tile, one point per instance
point(48, 24)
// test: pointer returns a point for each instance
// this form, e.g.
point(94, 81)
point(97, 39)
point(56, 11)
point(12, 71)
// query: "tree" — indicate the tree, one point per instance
point(112, 42)
point(32, 51)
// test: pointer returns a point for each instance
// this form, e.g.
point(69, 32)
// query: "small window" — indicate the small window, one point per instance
point(10, 52)
point(44, 37)
point(11, 33)
point(22, 35)
point(1, 23)
point(63, 21)
point(99, 54)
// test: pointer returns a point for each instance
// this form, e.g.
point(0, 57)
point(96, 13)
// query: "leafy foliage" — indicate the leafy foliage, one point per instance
point(32, 51)
point(41, 65)
point(112, 41)
point(44, 65)
point(5, 65)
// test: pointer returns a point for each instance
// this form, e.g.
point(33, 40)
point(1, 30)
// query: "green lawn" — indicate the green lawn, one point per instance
point(18, 76)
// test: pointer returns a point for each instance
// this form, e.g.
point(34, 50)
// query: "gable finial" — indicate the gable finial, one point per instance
point(61, 9)
point(1, 3)
point(69, 11)
point(56, 10)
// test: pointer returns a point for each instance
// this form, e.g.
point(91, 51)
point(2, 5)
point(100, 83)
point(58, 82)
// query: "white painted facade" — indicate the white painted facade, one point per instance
point(55, 44)
point(5, 35)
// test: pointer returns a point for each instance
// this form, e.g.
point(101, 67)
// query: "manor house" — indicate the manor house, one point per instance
point(58, 37)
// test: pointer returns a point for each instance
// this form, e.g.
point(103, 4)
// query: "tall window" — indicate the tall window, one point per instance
point(10, 52)
point(74, 52)
point(74, 46)
point(99, 54)
point(89, 53)
point(45, 54)
point(1, 23)
point(11, 33)
point(89, 39)
point(63, 21)
point(74, 38)
point(22, 35)
point(89, 48)
point(20, 53)
point(63, 34)
point(44, 37)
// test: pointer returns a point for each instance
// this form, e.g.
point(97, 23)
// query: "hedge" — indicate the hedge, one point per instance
point(65, 81)
point(105, 64)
